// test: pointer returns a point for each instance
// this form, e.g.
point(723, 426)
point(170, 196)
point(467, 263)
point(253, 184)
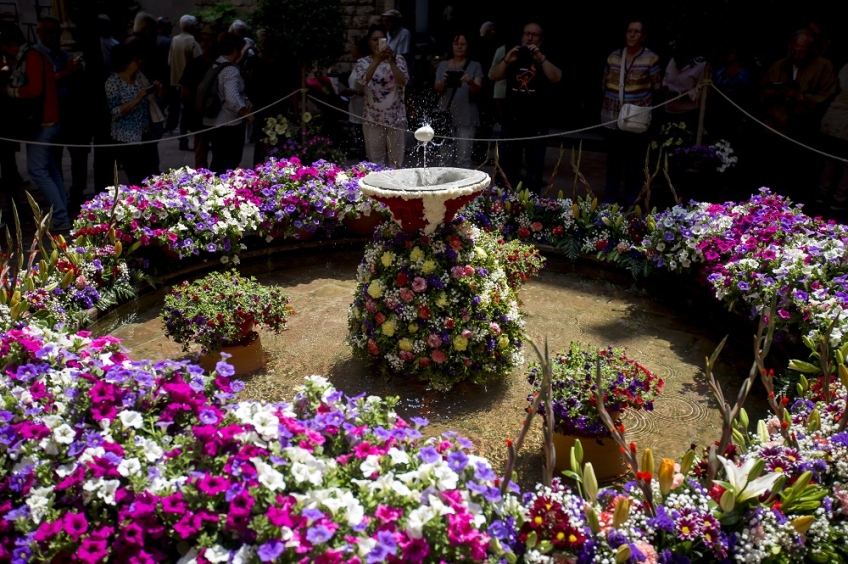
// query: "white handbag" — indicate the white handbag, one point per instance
point(632, 118)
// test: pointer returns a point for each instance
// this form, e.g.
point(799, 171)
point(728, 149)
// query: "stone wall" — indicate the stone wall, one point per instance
point(359, 14)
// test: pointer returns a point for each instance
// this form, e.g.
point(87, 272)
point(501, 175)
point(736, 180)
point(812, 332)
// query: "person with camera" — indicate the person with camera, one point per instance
point(458, 81)
point(383, 75)
point(530, 77)
point(34, 116)
point(129, 95)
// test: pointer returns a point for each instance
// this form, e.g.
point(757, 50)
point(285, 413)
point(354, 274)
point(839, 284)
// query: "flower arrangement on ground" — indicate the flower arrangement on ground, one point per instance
point(704, 158)
point(438, 308)
point(186, 211)
point(220, 310)
point(108, 459)
point(286, 139)
point(626, 385)
point(297, 201)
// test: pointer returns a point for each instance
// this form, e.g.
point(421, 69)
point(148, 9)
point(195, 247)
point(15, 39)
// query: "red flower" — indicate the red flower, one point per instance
point(379, 318)
point(424, 312)
point(523, 232)
point(424, 362)
point(449, 323)
point(401, 279)
point(372, 347)
point(600, 244)
point(536, 226)
point(558, 230)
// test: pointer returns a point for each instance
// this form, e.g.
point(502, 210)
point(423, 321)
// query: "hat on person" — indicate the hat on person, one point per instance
point(392, 14)
point(208, 30)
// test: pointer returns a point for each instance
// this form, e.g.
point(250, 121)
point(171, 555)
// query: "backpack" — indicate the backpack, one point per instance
point(208, 102)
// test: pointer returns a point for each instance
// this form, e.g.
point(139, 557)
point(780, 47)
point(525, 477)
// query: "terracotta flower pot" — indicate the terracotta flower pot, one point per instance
point(604, 454)
point(364, 224)
point(245, 358)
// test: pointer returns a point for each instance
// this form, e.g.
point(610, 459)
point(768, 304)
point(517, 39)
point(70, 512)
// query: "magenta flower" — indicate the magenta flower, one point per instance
point(213, 485)
point(75, 524)
point(92, 551)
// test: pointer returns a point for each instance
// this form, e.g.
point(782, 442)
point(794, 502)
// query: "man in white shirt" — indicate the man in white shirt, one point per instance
point(184, 48)
point(398, 37)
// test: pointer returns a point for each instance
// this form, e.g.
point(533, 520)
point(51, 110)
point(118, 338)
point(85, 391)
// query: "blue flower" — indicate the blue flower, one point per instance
point(318, 534)
point(429, 455)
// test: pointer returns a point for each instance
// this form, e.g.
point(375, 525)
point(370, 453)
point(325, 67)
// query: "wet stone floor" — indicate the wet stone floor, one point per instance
point(558, 306)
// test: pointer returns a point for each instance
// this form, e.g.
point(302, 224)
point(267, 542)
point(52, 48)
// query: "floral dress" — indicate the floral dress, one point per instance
point(384, 101)
point(130, 127)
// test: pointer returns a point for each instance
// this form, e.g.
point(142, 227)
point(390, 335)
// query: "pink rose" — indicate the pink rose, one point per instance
point(434, 341)
point(406, 356)
point(438, 356)
point(419, 284)
point(407, 295)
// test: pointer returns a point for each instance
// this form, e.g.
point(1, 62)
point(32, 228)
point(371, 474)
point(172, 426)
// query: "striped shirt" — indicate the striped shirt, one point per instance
point(231, 94)
point(642, 78)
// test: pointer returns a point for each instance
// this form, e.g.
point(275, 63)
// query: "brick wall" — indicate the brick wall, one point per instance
point(359, 14)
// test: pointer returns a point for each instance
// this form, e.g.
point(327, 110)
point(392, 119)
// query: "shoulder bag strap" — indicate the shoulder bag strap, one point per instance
point(621, 72)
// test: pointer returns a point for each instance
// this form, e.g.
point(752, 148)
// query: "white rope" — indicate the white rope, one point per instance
point(502, 140)
point(184, 135)
point(773, 130)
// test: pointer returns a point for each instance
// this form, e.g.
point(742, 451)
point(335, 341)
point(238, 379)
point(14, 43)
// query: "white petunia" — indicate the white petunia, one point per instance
point(131, 419)
point(370, 465)
point(268, 476)
point(129, 467)
point(64, 434)
point(398, 456)
point(217, 554)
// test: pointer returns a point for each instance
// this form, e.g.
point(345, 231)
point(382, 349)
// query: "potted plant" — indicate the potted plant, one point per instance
point(626, 385)
point(219, 311)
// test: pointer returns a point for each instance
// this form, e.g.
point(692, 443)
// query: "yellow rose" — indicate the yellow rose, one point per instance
point(375, 289)
point(416, 254)
point(387, 258)
point(405, 345)
point(388, 328)
point(442, 300)
point(481, 253)
point(503, 342)
point(357, 313)
point(413, 327)
point(460, 343)
point(428, 266)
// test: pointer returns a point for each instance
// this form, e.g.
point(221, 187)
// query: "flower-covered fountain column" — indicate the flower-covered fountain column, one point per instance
point(436, 297)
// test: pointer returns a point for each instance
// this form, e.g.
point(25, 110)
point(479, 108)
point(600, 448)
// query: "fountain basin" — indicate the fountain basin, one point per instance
point(424, 198)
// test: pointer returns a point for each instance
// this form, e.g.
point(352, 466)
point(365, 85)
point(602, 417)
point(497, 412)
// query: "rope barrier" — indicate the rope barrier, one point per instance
point(184, 135)
point(773, 130)
point(502, 140)
point(703, 84)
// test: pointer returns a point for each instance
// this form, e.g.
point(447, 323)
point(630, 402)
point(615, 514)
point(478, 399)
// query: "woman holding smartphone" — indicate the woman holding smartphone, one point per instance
point(458, 79)
point(383, 76)
point(128, 93)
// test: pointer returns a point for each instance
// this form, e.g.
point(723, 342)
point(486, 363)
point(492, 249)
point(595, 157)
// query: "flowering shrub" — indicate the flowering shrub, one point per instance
point(626, 385)
point(103, 458)
point(757, 250)
point(438, 308)
point(185, 211)
point(220, 309)
point(708, 158)
point(286, 139)
point(575, 228)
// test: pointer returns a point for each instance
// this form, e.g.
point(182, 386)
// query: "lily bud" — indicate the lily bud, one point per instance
point(803, 524)
point(592, 520)
point(814, 421)
point(575, 211)
point(743, 418)
point(647, 461)
point(118, 249)
point(666, 477)
point(560, 195)
point(594, 204)
point(578, 451)
point(804, 383)
point(686, 462)
point(843, 375)
point(111, 235)
point(756, 469)
point(621, 512)
point(623, 553)
point(762, 431)
point(508, 206)
point(590, 482)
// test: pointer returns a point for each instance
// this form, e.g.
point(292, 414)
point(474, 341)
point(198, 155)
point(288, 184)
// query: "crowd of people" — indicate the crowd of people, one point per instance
point(203, 83)
point(142, 85)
